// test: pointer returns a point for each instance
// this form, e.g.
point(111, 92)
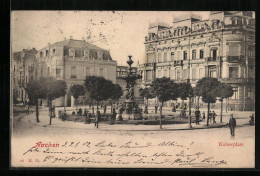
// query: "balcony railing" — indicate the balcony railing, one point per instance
point(178, 63)
point(233, 80)
point(235, 58)
point(73, 76)
point(213, 58)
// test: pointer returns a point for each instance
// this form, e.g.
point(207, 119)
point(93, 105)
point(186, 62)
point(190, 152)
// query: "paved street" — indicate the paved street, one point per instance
point(27, 132)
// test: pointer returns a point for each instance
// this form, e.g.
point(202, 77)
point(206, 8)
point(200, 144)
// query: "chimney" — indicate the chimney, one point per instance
point(70, 37)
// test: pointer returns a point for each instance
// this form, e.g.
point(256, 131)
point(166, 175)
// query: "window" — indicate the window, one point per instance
point(159, 73)
point(201, 73)
point(184, 55)
point(235, 93)
point(250, 92)
point(172, 56)
point(73, 72)
point(41, 54)
point(47, 52)
point(101, 72)
point(214, 54)
point(41, 71)
point(14, 80)
point(251, 52)
point(71, 52)
point(149, 75)
point(53, 51)
point(14, 68)
point(233, 72)
point(159, 57)
point(150, 58)
point(201, 54)
point(88, 71)
point(213, 72)
point(26, 79)
point(58, 72)
point(185, 74)
point(194, 73)
point(234, 50)
point(165, 57)
point(193, 54)
point(233, 21)
point(48, 72)
point(178, 74)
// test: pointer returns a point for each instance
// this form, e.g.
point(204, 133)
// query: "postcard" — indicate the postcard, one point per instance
point(132, 89)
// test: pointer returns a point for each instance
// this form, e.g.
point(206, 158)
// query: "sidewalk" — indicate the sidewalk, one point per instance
point(57, 123)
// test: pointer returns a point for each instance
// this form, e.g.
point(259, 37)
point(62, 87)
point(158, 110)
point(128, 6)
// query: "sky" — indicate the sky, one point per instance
point(121, 32)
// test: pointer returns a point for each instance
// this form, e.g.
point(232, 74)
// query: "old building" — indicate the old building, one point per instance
point(222, 46)
point(72, 60)
point(22, 72)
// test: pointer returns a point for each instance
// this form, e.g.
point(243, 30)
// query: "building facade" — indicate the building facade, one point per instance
point(222, 46)
point(21, 73)
point(72, 60)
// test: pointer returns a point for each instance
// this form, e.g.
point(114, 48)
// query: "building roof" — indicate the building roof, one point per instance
point(75, 43)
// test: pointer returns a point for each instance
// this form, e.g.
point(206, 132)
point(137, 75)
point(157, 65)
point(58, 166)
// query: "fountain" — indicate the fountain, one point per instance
point(131, 110)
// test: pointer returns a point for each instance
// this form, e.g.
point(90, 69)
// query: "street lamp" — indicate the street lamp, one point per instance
point(190, 126)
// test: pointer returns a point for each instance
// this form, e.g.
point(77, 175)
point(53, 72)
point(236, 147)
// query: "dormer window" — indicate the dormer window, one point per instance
point(41, 54)
point(46, 52)
point(71, 52)
point(53, 51)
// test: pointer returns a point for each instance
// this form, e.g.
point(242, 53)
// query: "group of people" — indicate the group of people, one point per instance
point(97, 115)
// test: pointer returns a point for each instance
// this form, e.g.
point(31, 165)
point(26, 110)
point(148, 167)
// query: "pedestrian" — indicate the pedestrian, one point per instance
point(155, 108)
point(214, 116)
point(197, 115)
point(27, 109)
point(252, 120)
point(203, 116)
point(53, 109)
point(173, 108)
point(86, 116)
point(105, 109)
point(232, 125)
point(97, 117)
point(93, 109)
point(113, 117)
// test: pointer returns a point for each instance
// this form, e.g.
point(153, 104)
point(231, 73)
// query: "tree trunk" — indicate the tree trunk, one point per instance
point(76, 102)
point(221, 109)
point(111, 107)
point(50, 111)
point(226, 105)
point(198, 102)
point(208, 114)
point(37, 111)
point(161, 116)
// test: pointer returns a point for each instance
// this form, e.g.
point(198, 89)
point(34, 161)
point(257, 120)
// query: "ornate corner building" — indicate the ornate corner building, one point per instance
point(222, 46)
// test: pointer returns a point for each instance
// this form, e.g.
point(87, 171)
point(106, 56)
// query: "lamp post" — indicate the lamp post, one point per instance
point(190, 126)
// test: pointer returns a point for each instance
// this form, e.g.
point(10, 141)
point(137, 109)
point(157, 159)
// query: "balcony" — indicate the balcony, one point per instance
point(73, 76)
point(178, 63)
point(213, 59)
point(233, 80)
point(235, 59)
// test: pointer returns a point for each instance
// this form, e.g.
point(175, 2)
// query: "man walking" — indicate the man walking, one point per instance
point(97, 117)
point(197, 115)
point(232, 125)
point(105, 109)
point(156, 108)
point(214, 117)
